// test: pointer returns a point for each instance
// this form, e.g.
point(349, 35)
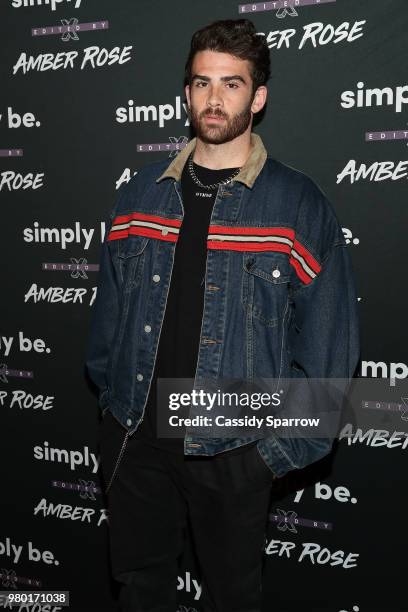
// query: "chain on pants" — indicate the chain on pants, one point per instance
point(156, 496)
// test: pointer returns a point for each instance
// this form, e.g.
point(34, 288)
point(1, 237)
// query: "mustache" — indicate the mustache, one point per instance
point(213, 113)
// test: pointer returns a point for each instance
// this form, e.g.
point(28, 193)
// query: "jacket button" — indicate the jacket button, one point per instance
point(139, 376)
point(156, 278)
point(129, 422)
point(147, 328)
point(276, 273)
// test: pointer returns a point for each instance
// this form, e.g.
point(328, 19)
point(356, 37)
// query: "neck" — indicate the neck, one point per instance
point(231, 154)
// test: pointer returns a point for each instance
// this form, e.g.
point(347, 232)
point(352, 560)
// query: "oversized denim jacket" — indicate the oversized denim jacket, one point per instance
point(283, 306)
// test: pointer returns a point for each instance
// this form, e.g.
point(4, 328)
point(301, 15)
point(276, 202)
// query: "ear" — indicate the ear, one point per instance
point(259, 99)
point(187, 92)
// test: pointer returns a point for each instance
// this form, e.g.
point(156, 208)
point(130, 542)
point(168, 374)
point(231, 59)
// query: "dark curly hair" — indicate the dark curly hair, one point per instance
point(237, 37)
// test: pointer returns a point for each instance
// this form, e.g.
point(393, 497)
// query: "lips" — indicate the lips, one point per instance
point(214, 117)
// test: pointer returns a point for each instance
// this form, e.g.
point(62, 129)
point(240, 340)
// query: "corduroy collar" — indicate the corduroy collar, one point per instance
point(246, 175)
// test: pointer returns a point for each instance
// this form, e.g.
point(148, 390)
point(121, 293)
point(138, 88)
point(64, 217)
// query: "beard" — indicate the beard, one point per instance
point(219, 134)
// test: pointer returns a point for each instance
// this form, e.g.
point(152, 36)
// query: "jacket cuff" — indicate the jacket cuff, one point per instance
point(274, 456)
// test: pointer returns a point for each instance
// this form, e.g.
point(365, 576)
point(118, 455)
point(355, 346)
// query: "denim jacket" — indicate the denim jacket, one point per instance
point(279, 299)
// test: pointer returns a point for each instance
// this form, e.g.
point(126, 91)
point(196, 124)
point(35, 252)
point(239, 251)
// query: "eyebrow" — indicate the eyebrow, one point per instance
point(234, 77)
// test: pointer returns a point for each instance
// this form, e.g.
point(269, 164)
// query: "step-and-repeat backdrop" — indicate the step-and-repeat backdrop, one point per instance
point(92, 91)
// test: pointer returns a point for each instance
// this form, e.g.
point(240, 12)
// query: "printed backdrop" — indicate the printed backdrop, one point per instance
point(92, 91)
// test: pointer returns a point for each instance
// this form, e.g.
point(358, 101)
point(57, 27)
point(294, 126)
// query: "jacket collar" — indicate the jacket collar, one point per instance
point(246, 175)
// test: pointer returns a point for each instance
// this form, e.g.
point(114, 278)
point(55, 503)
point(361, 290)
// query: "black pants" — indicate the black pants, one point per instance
point(156, 493)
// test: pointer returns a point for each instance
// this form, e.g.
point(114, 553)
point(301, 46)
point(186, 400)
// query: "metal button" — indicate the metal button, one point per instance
point(129, 422)
point(156, 278)
point(147, 328)
point(276, 273)
point(139, 376)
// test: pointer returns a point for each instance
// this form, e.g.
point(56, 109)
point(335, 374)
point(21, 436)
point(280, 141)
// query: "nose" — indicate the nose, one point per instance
point(214, 98)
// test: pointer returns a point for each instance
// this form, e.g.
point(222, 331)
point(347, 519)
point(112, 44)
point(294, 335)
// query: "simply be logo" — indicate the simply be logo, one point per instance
point(380, 369)
point(324, 492)
point(160, 113)
point(18, 552)
point(22, 343)
point(63, 235)
point(73, 458)
point(396, 96)
point(52, 4)
point(189, 585)
point(15, 120)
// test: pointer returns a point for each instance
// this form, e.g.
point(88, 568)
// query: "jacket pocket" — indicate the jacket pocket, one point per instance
point(130, 260)
point(265, 283)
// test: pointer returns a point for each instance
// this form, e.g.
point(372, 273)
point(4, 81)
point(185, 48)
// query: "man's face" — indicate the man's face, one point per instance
point(220, 97)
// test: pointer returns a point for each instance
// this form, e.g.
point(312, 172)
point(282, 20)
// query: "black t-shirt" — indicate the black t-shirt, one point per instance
point(180, 334)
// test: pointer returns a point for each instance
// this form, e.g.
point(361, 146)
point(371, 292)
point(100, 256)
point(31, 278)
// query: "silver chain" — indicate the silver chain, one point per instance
point(214, 185)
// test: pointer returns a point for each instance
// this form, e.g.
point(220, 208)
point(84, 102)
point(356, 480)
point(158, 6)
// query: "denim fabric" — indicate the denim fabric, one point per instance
point(280, 298)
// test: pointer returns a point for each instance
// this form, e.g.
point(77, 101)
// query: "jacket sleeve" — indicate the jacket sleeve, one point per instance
point(104, 316)
point(326, 320)
point(323, 343)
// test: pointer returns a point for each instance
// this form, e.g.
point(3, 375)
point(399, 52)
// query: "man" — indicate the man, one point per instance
point(222, 263)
